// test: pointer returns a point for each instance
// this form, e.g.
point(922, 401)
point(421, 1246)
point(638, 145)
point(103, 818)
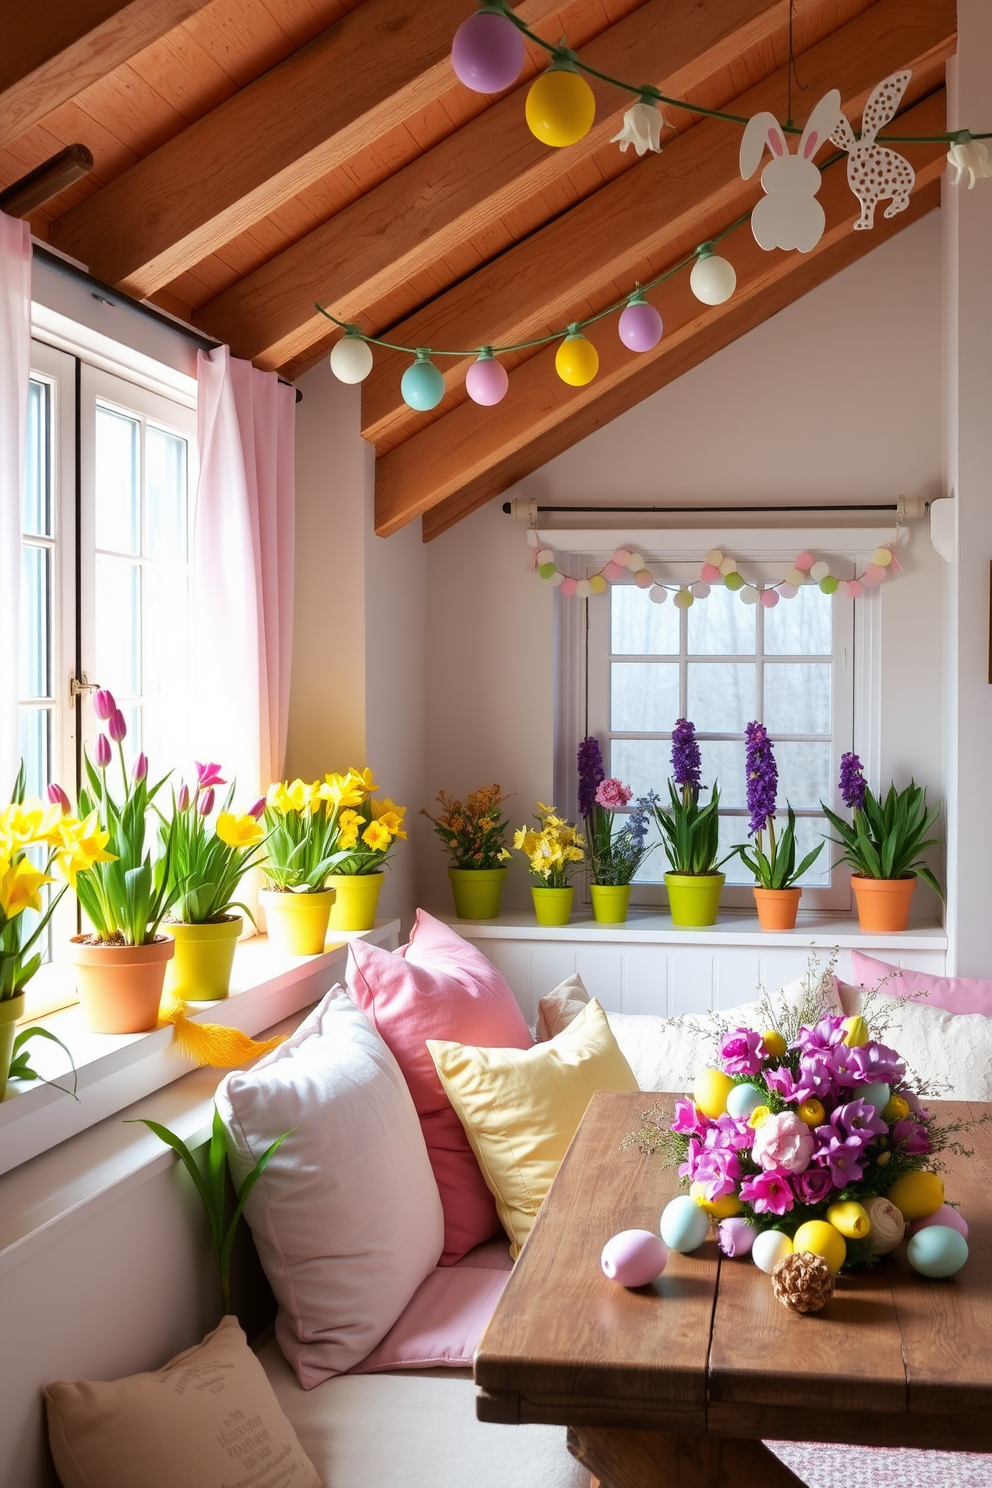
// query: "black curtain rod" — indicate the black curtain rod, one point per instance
point(111, 296)
point(889, 506)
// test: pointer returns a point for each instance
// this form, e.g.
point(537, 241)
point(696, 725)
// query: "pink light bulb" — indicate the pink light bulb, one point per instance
point(486, 381)
point(487, 53)
point(640, 327)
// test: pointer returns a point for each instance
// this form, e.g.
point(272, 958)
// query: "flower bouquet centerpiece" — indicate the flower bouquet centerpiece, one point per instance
point(474, 833)
point(883, 843)
point(776, 891)
point(554, 852)
point(690, 836)
point(209, 859)
point(615, 854)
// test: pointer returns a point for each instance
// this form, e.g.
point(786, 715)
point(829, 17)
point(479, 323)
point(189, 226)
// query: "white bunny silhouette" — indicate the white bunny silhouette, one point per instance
point(875, 172)
point(788, 216)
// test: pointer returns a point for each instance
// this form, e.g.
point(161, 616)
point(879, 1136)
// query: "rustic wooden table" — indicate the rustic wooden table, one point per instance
point(678, 1383)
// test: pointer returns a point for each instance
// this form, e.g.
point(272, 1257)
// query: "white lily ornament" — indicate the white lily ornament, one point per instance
point(969, 158)
point(642, 126)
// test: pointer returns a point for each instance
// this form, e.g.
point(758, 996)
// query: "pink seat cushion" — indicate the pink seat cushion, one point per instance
point(953, 994)
point(440, 987)
point(447, 1316)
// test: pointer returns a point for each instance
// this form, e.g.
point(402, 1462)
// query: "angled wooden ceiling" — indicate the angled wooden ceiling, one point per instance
point(255, 156)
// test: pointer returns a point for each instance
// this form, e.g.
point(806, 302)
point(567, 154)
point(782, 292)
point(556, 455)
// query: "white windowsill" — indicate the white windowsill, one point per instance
point(649, 927)
point(115, 1070)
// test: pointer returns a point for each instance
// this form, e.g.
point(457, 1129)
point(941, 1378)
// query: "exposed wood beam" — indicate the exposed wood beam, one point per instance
point(646, 218)
point(461, 188)
point(49, 52)
point(474, 453)
point(23, 196)
point(369, 73)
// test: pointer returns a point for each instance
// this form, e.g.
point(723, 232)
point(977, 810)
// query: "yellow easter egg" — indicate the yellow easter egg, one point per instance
point(896, 1110)
point(758, 1116)
point(711, 1090)
point(855, 1032)
point(723, 1208)
point(772, 1042)
point(916, 1195)
point(850, 1219)
point(821, 1239)
point(811, 1112)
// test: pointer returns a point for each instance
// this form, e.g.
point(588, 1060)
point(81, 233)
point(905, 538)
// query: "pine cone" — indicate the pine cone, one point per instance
point(803, 1281)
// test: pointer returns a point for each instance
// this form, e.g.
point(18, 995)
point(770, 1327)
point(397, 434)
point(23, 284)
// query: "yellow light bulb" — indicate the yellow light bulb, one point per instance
point(576, 360)
point(560, 107)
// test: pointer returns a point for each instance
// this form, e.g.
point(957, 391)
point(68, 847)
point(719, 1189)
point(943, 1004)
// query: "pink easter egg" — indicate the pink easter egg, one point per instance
point(769, 598)
point(854, 589)
point(622, 556)
point(612, 571)
point(710, 573)
point(568, 586)
point(804, 561)
point(634, 1257)
point(945, 1216)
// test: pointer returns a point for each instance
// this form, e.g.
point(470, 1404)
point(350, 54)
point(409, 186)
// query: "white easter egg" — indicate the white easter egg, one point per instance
point(768, 1249)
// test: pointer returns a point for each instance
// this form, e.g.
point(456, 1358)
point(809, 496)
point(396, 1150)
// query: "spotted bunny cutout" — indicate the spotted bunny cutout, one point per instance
point(874, 172)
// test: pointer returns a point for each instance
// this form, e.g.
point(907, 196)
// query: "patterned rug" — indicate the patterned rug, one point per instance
point(826, 1465)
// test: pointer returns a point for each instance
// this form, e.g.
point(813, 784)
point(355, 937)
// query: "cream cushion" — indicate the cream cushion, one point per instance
point(207, 1419)
point(415, 1431)
point(949, 1054)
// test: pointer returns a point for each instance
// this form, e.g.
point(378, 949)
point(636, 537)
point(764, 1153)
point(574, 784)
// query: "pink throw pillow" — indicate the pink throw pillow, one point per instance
point(440, 987)
point(953, 994)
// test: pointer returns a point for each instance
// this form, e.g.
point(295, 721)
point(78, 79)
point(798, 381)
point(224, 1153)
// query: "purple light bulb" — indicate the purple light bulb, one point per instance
point(487, 53)
point(640, 326)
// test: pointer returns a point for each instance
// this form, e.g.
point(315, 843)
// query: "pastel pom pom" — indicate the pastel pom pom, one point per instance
point(819, 570)
point(612, 571)
point(804, 561)
point(699, 589)
point(769, 598)
point(597, 584)
point(882, 556)
point(684, 1226)
point(644, 578)
point(546, 570)
point(946, 1216)
point(621, 557)
point(917, 1195)
point(714, 557)
point(937, 1251)
point(732, 579)
point(569, 586)
point(770, 1247)
point(658, 594)
point(634, 1257)
point(710, 573)
point(854, 589)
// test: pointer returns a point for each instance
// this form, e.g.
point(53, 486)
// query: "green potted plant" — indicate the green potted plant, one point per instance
point(883, 843)
point(554, 853)
point(776, 891)
point(614, 854)
point(473, 833)
point(690, 836)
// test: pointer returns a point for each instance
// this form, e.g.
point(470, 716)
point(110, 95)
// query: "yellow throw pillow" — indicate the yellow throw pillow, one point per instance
point(520, 1107)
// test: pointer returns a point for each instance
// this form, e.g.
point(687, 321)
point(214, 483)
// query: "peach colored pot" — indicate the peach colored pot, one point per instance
point(883, 903)
point(120, 987)
point(777, 908)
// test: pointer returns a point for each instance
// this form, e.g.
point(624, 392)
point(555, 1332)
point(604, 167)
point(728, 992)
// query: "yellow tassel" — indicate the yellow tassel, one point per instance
point(211, 1043)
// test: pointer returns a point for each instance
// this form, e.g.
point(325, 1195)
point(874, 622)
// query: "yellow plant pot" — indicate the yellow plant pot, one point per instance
point(296, 923)
point(10, 1011)
point(477, 892)
point(610, 903)
point(120, 987)
point(201, 968)
point(694, 899)
point(553, 906)
point(357, 900)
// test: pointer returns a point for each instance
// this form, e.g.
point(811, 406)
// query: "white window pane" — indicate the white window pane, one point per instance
point(801, 626)
point(721, 625)
point(638, 626)
point(644, 696)
point(809, 831)
point(723, 761)
point(35, 749)
point(36, 623)
point(733, 829)
point(655, 865)
point(118, 614)
point(643, 764)
point(797, 697)
point(165, 482)
point(720, 696)
point(803, 774)
point(36, 504)
point(117, 485)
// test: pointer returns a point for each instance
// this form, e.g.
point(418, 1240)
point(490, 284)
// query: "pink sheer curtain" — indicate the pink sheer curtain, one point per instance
point(242, 594)
point(15, 367)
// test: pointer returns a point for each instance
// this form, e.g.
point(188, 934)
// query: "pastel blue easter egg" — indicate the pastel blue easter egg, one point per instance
point(937, 1251)
point(744, 1099)
point(684, 1226)
point(422, 386)
point(876, 1095)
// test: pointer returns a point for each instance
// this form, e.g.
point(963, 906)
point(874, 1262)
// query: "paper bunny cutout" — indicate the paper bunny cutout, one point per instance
point(789, 215)
point(875, 172)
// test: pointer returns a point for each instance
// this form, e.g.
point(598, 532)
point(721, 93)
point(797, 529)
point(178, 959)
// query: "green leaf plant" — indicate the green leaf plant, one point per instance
point(20, 1063)
point(777, 869)
point(886, 838)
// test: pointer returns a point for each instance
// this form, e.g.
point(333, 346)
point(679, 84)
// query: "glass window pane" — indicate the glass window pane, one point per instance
point(797, 697)
point(809, 831)
point(643, 764)
point(655, 865)
point(733, 829)
point(644, 696)
point(803, 774)
point(721, 626)
point(801, 626)
point(36, 504)
point(36, 599)
point(638, 626)
point(117, 486)
point(118, 589)
point(723, 761)
point(165, 670)
point(720, 695)
point(165, 481)
point(35, 748)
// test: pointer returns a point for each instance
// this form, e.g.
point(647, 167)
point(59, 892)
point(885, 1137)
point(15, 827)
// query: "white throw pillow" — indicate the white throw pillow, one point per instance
point(346, 1217)
point(948, 1054)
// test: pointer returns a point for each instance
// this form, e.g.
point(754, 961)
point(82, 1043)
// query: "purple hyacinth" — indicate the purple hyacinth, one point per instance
point(687, 766)
point(591, 772)
point(762, 777)
point(852, 782)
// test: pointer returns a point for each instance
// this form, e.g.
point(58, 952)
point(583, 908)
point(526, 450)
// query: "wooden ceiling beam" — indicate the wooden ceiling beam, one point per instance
point(370, 72)
point(475, 453)
point(650, 216)
point(50, 52)
point(461, 188)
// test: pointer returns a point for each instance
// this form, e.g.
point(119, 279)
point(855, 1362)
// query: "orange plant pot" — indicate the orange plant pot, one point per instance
point(883, 903)
point(777, 908)
point(120, 987)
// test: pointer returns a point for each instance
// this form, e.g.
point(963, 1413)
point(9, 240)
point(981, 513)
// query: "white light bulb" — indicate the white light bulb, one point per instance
point(712, 280)
point(351, 359)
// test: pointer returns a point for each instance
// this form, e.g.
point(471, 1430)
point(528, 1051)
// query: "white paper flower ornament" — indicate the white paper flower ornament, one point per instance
point(969, 158)
point(642, 126)
point(788, 216)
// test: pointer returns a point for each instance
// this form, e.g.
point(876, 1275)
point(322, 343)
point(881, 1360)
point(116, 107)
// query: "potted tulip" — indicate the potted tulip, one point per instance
point(690, 836)
point(207, 863)
point(614, 854)
point(473, 833)
point(554, 853)
point(120, 962)
point(883, 843)
point(776, 892)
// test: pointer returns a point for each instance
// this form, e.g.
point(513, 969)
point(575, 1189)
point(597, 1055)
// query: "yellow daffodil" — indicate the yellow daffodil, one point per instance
point(239, 831)
point(82, 844)
point(29, 822)
point(348, 837)
point(392, 823)
point(376, 836)
point(341, 790)
point(386, 807)
point(363, 779)
point(297, 796)
point(19, 887)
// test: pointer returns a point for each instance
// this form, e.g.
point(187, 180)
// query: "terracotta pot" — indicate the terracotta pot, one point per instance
point(357, 900)
point(201, 968)
point(777, 908)
point(296, 923)
point(883, 903)
point(120, 987)
point(11, 1009)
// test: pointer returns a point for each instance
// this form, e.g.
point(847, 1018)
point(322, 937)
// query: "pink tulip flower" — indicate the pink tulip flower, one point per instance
point(102, 751)
point(58, 797)
point(116, 727)
point(140, 768)
point(182, 800)
point(208, 774)
point(104, 704)
point(206, 802)
point(258, 810)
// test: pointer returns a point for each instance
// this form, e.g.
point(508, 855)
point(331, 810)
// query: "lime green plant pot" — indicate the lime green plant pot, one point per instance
point(296, 923)
point(553, 906)
point(10, 1011)
point(610, 903)
point(201, 968)
point(477, 892)
point(694, 900)
point(357, 900)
